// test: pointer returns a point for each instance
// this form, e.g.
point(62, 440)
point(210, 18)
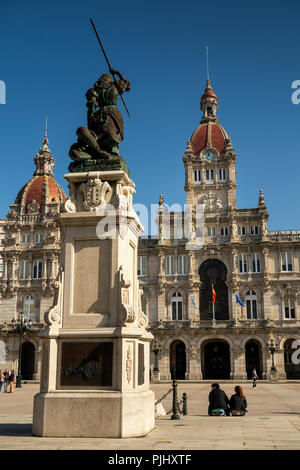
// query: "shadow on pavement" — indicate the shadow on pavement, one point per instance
point(16, 429)
point(285, 413)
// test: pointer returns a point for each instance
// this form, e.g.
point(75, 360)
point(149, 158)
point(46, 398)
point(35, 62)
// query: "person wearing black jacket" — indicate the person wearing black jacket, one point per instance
point(218, 400)
point(238, 402)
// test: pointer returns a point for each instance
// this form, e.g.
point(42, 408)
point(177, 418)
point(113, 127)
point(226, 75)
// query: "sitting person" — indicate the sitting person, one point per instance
point(218, 400)
point(238, 402)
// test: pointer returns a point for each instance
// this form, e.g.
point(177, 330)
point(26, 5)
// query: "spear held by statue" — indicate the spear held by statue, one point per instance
point(111, 70)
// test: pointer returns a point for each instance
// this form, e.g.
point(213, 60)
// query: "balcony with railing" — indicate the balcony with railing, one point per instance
point(278, 235)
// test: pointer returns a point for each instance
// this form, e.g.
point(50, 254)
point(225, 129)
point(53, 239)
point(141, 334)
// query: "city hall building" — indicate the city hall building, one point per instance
point(239, 257)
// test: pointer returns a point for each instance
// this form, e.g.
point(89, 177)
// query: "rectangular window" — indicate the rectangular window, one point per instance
point(29, 309)
point(23, 269)
point(289, 309)
point(197, 176)
point(251, 310)
point(224, 232)
point(255, 263)
point(169, 265)
point(222, 174)
point(26, 238)
point(209, 175)
point(38, 238)
point(241, 230)
point(211, 231)
point(1, 267)
point(243, 268)
point(254, 230)
point(37, 268)
point(182, 263)
point(286, 262)
point(142, 265)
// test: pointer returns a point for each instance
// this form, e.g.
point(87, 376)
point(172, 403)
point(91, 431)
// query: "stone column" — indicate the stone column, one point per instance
point(194, 367)
point(239, 360)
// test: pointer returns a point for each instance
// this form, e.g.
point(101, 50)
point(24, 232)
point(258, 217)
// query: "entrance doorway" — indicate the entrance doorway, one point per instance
point(216, 360)
point(253, 358)
point(213, 271)
point(27, 361)
point(292, 370)
point(178, 359)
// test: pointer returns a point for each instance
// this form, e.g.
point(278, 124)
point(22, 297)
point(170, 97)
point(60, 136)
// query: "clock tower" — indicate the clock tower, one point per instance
point(209, 160)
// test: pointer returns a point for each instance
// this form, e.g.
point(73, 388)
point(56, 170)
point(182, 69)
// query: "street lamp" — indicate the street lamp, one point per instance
point(156, 349)
point(272, 348)
point(20, 326)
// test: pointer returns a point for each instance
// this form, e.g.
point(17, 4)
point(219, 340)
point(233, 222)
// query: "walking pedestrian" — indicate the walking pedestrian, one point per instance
point(254, 377)
point(1, 380)
point(11, 381)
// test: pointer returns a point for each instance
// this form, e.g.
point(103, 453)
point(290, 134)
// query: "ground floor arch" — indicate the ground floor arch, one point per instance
point(178, 359)
point(213, 274)
point(215, 360)
point(253, 353)
point(27, 361)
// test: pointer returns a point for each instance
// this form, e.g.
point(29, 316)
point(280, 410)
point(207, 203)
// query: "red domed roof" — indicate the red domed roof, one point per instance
point(41, 189)
point(212, 133)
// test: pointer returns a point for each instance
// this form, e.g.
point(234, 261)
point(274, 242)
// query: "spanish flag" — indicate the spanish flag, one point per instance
point(214, 295)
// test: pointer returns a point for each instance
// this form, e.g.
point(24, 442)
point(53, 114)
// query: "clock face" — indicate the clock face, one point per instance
point(209, 156)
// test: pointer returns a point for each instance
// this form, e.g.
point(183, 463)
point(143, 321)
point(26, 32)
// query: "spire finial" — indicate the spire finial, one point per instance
point(45, 138)
point(207, 68)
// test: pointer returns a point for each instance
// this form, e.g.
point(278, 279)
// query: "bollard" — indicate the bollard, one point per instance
point(184, 405)
point(175, 414)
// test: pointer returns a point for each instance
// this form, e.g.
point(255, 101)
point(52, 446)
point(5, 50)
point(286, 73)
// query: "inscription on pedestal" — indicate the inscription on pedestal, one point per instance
point(141, 365)
point(86, 364)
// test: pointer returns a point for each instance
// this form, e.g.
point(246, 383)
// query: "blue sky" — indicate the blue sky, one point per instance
point(50, 57)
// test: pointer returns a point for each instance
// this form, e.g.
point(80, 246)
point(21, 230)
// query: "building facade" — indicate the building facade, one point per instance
point(202, 339)
point(237, 255)
point(30, 263)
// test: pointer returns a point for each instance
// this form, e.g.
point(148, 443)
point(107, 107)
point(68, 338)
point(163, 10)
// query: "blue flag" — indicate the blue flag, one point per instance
point(239, 301)
point(194, 302)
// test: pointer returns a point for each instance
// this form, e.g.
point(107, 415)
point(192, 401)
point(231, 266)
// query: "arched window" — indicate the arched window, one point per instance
point(29, 308)
point(251, 304)
point(176, 306)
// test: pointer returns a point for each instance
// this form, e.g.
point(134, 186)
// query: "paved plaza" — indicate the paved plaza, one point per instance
point(273, 422)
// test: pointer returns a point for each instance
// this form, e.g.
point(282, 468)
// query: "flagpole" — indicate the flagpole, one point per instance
point(214, 320)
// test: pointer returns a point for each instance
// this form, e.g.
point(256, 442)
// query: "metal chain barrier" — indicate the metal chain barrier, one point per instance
point(164, 396)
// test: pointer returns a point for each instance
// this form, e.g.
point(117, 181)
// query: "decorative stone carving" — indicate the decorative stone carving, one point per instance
point(70, 204)
point(127, 312)
point(129, 365)
point(33, 207)
point(94, 192)
point(211, 202)
point(193, 351)
point(53, 315)
point(142, 318)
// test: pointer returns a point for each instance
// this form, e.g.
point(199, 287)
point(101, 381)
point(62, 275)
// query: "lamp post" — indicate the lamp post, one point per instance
point(272, 348)
point(20, 326)
point(156, 349)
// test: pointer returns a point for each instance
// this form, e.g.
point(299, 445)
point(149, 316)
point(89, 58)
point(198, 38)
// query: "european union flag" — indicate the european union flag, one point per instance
point(239, 301)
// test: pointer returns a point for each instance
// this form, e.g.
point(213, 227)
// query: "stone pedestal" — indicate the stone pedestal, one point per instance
point(273, 375)
point(95, 374)
point(156, 376)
